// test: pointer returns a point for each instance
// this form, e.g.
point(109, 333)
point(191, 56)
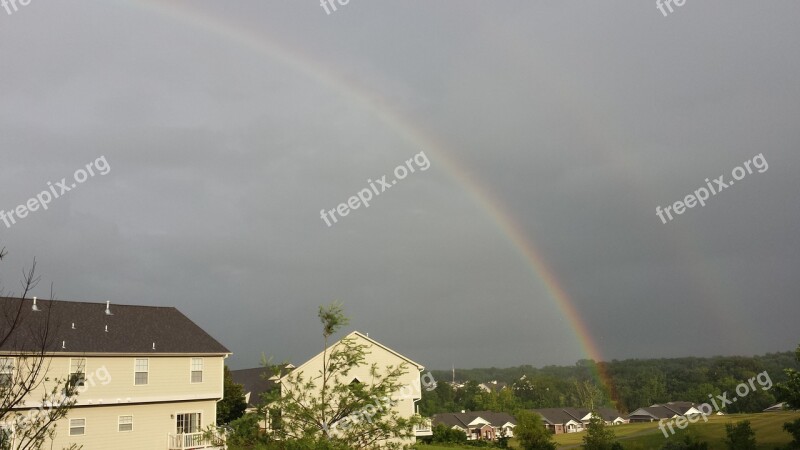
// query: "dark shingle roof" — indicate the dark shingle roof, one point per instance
point(557, 416)
point(463, 419)
point(130, 329)
point(255, 381)
point(664, 410)
point(563, 415)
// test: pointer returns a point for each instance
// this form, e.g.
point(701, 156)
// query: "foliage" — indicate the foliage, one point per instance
point(329, 406)
point(232, 405)
point(445, 435)
point(26, 375)
point(635, 383)
point(531, 433)
point(740, 436)
point(789, 391)
point(598, 436)
point(245, 431)
point(684, 441)
point(793, 428)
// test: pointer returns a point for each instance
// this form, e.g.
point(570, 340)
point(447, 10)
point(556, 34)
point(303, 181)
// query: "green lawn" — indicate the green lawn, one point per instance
point(768, 428)
point(647, 436)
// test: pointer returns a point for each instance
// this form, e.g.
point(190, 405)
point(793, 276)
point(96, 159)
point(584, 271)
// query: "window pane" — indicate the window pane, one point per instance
point(197, 363)
point(6, 365)
point(197, 376)
point(141, 377)
point(77, 426)
point(125, 423)
point(141, 365)
point(77, 365)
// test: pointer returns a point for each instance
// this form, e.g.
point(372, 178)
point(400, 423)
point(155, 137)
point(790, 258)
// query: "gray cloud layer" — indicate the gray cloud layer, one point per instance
point(578, 119)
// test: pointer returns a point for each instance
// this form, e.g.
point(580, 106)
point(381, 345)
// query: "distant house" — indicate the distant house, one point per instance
point(609, 415)
point(669, 410)
point(256, 382)
point(572, 420)
point(479, 425)
point(776, 407)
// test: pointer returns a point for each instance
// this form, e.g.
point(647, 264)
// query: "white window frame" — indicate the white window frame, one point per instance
point(120, 423)
point(71, 373)
point(193, 369)
point(7, 364)
point(72, 427)
point(146, 371)
point(200, 415)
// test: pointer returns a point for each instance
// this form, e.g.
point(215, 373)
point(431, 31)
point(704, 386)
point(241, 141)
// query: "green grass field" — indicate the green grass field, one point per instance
point(768, 428)
point(647, 436)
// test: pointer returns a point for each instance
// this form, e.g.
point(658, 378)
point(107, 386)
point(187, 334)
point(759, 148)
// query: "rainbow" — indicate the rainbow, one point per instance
point(260, 43)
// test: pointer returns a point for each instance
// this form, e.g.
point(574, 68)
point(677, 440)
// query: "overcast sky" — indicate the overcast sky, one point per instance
point(227, 126)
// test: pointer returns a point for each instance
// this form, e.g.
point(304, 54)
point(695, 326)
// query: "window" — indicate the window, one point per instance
point(6, 371)
point(197, 370)
point(188, 423)
point(77, 427)
point(125, 423)
point(140, 371)
point(77, 372)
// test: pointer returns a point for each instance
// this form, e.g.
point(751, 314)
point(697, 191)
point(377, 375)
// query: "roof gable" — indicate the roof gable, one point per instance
point(358, 336)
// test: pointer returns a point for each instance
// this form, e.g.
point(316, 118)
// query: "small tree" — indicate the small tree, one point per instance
point(531, 433)
point(793, 428)
point(232, 405)
point(27, 336)
point(326, 408)
point(446, 435)
point(789, 391)
point(684, 441)
point(740, 436)
point(598, 436)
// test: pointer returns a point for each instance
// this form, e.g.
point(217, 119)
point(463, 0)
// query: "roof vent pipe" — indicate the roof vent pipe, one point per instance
point(108, 309)
point(63, 344)
point(106, 328)
point(154, 345)
point(73, 325)
point(34, 307)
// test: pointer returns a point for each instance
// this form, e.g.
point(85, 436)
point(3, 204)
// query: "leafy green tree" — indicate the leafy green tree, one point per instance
point(446, 435)
point(468, 397)
point(789, 391)
point(793, 428)
point(740, 436)
point(326, 407)
point(232, 405)
point(589, 394)
point(531, 433)
point(684, 441)
point(244, 432)
point(599, 436)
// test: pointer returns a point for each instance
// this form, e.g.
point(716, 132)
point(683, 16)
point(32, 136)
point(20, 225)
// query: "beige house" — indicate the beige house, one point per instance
point(479, 425)
point(149, 377)
point(257, 381)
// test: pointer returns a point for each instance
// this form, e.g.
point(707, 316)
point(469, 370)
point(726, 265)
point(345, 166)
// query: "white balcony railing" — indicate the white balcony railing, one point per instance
point(424, 429)
point(186, 441)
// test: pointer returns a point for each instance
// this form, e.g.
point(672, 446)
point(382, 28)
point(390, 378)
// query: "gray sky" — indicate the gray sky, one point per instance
point(228, 126)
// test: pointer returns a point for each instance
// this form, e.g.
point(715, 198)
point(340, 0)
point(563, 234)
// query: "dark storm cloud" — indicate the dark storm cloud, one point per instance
point(578, 119)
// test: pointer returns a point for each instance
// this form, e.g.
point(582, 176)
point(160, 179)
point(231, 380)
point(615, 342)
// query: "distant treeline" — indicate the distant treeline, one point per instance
point(633, 383)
